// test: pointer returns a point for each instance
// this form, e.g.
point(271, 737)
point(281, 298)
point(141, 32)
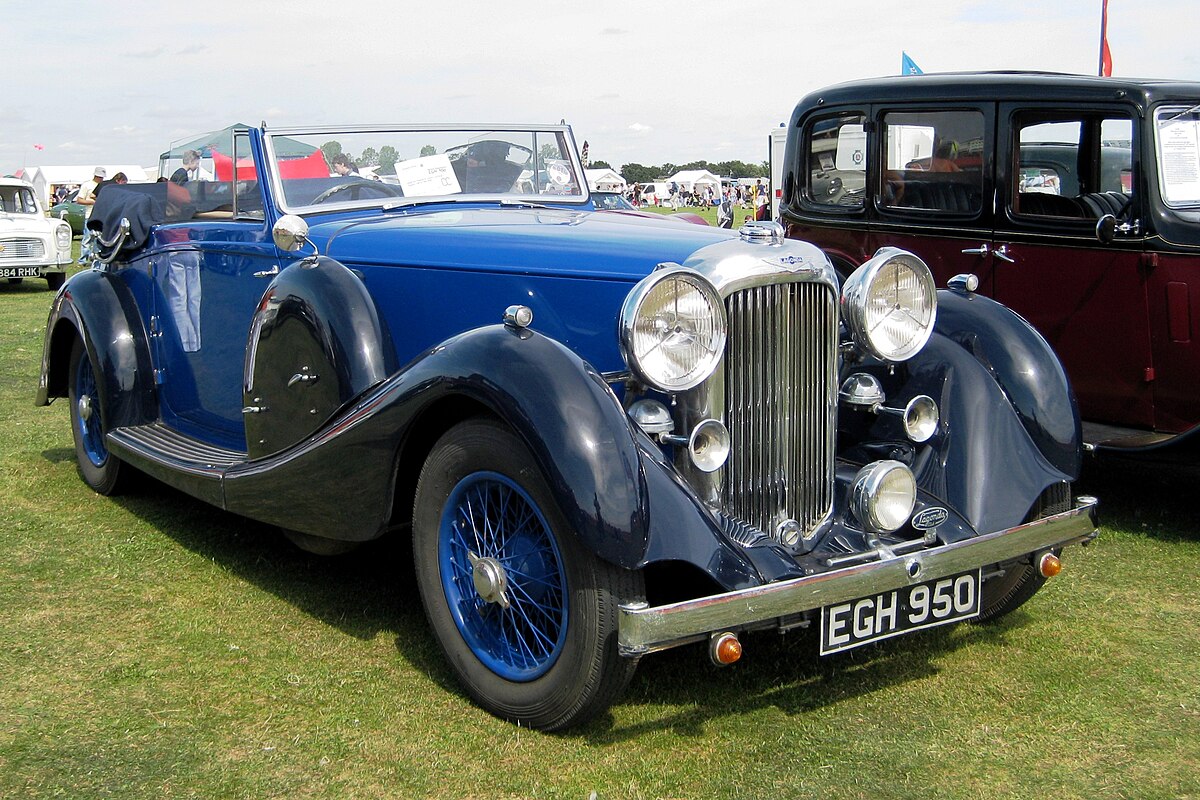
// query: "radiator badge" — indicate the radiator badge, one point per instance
point(929, 518)
point(793, 263)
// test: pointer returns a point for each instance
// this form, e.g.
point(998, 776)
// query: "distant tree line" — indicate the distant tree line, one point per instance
point(638, 173)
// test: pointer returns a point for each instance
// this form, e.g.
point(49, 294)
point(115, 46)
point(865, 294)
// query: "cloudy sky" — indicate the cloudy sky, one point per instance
point(642, 80)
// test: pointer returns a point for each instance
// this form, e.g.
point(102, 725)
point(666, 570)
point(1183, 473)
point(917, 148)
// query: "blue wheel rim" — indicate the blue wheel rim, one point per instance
point(489, 516)
point(91, 434)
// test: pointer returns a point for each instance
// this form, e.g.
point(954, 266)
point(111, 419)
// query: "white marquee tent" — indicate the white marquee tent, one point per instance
point(692, 180)
point(46, 179)
point(605, 180)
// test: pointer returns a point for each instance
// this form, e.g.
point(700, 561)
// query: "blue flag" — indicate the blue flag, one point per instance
point(908, 66)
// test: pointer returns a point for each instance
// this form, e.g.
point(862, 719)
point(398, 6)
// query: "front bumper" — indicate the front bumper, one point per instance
point(643, 629)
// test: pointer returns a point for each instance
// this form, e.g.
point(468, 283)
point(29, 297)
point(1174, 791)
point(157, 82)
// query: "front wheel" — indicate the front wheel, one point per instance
point(526, 615)
point(99, 468)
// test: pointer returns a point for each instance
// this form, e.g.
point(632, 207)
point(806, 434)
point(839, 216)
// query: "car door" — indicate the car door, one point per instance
point(933, 189)
point(1062, 169)
point(210, 275)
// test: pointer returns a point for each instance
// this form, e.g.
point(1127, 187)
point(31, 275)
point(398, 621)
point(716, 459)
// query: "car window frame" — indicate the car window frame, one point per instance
point(926, 216)
point(802, 184)
point(1008, 161)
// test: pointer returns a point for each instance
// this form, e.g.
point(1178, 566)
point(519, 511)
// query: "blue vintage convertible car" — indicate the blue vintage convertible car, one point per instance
point(604, 435)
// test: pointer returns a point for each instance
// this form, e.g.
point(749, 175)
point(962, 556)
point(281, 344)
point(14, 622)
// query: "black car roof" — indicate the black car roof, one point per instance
point(1002, 86)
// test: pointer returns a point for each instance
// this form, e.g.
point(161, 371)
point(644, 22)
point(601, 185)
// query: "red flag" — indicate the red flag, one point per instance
point(1105, 53)
point(39, 147)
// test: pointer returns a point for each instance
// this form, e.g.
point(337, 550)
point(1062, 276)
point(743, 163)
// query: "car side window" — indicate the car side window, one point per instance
point(836, 155)
point(933, 161)
point(1077, 166)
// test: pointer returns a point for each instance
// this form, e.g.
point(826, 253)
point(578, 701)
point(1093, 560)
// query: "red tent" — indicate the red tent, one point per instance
point(311, 166)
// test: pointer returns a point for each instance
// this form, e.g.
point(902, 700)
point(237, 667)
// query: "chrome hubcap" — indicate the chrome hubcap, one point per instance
point(85, 408)
point(491, 582)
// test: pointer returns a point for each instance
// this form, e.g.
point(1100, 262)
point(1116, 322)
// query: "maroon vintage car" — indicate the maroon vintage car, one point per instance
point(1074, 200)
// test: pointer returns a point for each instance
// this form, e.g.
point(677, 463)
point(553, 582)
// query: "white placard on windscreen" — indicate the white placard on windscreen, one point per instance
point(428, 175)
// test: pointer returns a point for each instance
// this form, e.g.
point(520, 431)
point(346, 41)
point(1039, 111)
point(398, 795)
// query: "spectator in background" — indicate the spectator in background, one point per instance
point(119, 178)
point(343, 166)
point(87, 192)
point(191, 169)
point(725, 210)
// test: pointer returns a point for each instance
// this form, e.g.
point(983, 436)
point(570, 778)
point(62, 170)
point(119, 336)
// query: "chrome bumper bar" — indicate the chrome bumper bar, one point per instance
point(643, 629)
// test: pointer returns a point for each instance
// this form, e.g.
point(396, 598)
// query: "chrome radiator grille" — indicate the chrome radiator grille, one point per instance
point(21, 248)
point(780, 404)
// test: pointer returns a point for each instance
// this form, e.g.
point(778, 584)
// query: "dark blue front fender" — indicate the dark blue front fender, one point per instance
point(340, 482)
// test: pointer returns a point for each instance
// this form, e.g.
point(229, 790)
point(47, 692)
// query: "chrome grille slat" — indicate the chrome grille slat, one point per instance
point(22, 248)
point(780, 392)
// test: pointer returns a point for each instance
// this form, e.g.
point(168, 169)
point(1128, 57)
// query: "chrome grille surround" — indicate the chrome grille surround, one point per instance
point(22, 248)
point(775, 389)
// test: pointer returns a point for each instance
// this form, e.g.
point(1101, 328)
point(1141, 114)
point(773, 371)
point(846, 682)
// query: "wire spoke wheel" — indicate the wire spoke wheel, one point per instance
point(525, 613)
point(99, 469)
point(502, 576)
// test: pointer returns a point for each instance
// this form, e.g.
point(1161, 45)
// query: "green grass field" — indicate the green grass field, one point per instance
point(154, 647)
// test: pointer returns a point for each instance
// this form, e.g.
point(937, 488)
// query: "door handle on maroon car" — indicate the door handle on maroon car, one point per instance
point(1001, 253)
point(982, 250)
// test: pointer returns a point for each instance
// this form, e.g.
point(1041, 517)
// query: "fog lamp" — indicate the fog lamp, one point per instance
point(882, 496)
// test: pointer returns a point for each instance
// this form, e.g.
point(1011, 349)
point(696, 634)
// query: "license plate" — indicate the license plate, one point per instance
point(892, 613)
point(19, 272)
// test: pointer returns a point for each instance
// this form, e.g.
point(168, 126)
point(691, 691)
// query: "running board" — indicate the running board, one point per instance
point(188, 464)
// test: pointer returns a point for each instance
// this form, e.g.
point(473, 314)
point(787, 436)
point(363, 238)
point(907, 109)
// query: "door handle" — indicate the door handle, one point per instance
point(267, 273)
point(982, 250)
point(1001, 253)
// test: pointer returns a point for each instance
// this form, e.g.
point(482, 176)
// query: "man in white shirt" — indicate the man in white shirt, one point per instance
point(87, 192)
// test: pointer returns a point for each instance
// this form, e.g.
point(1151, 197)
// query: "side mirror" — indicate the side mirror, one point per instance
point(1106, 229)
point(290, 233)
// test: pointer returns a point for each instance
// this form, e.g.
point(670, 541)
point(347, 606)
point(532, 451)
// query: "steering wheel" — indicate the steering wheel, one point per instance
point(356, 183)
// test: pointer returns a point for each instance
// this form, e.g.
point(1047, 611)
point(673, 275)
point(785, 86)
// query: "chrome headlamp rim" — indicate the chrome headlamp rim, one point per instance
point(866, 494)
point(630, 311)
point(856, 293)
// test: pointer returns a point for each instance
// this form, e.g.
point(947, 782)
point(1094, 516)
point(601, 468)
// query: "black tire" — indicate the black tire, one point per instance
point(55, 280)
point(15, 281)
point(100, 469)
point(1021, 579)
point(480, 471)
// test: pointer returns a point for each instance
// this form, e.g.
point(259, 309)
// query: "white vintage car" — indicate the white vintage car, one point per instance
point(31, 244)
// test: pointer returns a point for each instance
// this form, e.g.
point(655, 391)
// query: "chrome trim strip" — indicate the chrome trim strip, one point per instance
point(642, 629)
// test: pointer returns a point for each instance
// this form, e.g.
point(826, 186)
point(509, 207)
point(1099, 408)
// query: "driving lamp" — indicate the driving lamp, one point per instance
point(882, 496)
point(889, 304)
point(673, 329)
